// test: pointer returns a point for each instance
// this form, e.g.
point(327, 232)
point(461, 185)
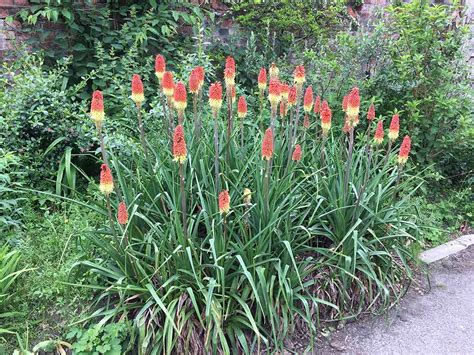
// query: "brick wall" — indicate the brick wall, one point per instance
point(10, 32)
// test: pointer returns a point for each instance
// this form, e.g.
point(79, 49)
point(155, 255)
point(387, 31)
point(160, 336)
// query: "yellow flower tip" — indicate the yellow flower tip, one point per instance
point(393, 135)
point(180, 159)
point(138, 98)
point(106, 188)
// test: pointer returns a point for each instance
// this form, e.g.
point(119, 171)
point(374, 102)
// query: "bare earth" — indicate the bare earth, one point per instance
point(436, 321)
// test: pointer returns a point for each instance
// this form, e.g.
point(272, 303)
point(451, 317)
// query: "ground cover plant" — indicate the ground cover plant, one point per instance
point(234, 226)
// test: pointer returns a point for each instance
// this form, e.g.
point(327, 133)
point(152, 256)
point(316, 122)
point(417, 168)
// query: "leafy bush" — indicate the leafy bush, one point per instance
point(413, 64)
point(40, 116)
point(99, 340)
point(10, 178)
point(316, 240)
point(148, 26)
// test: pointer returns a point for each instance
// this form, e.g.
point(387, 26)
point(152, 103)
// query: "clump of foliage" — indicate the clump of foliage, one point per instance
point(288, 25)
point(99, 339)
point(10, 203)
point(221, 250)
point(412, 62)
point(40, 116)
point(147, 25)
point(42, 302)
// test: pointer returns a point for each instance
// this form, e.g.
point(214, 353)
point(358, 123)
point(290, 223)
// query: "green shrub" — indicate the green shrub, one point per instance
point(10, 178)
point(312, 243)
point(414, 64)
point(40, 117)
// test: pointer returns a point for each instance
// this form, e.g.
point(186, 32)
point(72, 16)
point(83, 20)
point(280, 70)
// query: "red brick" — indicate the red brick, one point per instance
point(6, 2)
point(22, 2)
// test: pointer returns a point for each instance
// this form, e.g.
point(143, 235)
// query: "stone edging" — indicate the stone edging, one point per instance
point(441, 251)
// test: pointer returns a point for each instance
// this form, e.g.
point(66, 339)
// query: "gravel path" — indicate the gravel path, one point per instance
point(439, 321)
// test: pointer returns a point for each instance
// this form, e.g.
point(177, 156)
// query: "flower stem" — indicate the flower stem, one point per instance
point(349, 162)
point(183, 201)
point(216, 150)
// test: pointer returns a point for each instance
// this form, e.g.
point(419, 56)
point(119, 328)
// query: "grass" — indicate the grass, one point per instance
point(50, 242)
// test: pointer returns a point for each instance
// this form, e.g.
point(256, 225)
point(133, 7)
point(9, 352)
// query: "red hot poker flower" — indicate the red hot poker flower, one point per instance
point(326, 116)
point(308, 99)
point(267, 144)
point(180, 102)
point(262, 79)
point(193, 82)
point(394, 127)
point(353, 105)
point(317, 105)
point(296, 153)
point(137, 89)
point(122, 214)
point(371, 112)
point(274, 71)
point(160, 66)
point(215, 97)
point(106, 181)
point(285, 92)
point(292, 96)
point(299, 75)
point(378, 137)
point(168, 84)
point(97, 108)
point(242, 107)
point(229, 72)
point(404, 150)
point(224, 202)
point(179, 145)
point(274, 93)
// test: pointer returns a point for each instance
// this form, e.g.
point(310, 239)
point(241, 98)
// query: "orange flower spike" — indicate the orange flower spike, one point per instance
point(292, 96)
point(137, 89)
point(224, 202)
point(394, 127)
point(106, 181)
point(122, 214)
point(97, 108)
point(168, 84)
point(274, 94)
point(308, 99)
point(262, 80)
point(215, 97)
point(242, 107)
point(371, 112)
point(160, 67)
point(297, 153)
point(267, 144)
point(285, 92)
point(180, 102)
point(274, 71)
point(229, 72)
point(353, 106)
point(404, 150)
point(299, 76)
point(317, 105)
point(193, 82)
point(379, 133)
point(326, 116)
point(179, 145)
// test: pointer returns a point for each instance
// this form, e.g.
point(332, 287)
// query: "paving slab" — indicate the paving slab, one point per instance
point(444, 250)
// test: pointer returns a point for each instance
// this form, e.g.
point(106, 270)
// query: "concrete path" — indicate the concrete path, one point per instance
point(439, 321)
